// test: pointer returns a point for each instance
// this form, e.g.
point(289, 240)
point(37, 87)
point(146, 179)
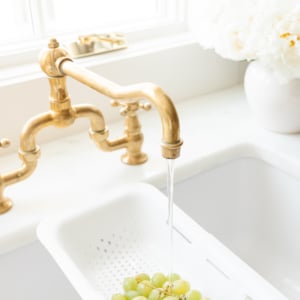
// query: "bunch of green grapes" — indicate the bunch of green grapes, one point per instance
point(158, 287)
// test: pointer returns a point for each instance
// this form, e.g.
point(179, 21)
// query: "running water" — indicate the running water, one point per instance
point(170, 189)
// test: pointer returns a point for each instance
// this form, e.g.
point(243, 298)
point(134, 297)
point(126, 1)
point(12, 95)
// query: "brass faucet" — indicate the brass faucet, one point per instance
point(57, 64)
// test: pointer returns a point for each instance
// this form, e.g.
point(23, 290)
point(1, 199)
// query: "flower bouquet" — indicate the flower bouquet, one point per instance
point(264, 30)
point(267, 33)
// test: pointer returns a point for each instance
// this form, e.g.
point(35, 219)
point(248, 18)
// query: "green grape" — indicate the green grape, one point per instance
point(158, 287)
point(193, 295)
point(167, 287)
point(155, 294)
point(142, 276)
point(174, 276)
point(180, 287)
point(144, 288)
point(131, 294)
point(129, 284)
point(171, 298)
point(158, 279)
point(140, 298)
point(118, 297)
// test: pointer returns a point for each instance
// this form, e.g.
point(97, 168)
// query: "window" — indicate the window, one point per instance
point(29, 23)
point(70, 15)
point(14, 21)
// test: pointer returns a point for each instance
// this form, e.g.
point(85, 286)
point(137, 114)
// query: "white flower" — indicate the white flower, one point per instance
point(266, 30)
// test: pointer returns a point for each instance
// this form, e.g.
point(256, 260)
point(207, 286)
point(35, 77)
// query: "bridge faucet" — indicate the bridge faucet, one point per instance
point(57, 64)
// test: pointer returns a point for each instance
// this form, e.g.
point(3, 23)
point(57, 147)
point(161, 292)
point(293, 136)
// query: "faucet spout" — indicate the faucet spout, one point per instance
point(60, 64)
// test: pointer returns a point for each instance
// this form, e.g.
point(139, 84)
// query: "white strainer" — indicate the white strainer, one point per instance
point(126, 233)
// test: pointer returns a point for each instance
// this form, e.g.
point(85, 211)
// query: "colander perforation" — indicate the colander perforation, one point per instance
point(118, 255)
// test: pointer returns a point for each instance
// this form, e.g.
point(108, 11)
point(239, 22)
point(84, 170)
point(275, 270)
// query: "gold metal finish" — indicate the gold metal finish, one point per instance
point(5, 203)
point(92, 44)
point(4, 143)
point(56, 63)
point(132, 133)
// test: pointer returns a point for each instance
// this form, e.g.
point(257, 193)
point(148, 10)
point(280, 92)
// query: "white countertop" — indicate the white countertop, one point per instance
point(215, 128)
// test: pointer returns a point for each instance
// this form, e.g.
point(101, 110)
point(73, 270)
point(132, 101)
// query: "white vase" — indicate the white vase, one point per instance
point(275, 105)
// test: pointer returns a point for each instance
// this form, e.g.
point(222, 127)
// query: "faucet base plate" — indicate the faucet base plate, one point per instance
point(130, 159)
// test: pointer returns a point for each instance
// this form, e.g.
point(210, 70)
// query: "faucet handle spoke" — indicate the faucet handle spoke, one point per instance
point(130, 106)
point(4, 143)
point(115, 103)
point(145, 106)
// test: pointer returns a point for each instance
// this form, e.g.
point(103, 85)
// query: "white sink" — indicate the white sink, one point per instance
point(254, 209)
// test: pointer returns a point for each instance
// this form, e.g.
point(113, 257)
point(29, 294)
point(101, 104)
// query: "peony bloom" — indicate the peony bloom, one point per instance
point(264, 30)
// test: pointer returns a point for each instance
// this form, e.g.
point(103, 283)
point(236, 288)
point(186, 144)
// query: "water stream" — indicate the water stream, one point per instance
point(170, 190)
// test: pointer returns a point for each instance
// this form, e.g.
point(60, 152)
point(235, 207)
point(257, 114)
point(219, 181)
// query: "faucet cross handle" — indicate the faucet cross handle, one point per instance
point(4, 143)
point(130, 107)
point(132, 134)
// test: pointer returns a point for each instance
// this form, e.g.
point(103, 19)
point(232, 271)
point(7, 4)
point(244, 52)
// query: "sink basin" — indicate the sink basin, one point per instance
point(253, 208)
point(249, 212)
point(98, 245)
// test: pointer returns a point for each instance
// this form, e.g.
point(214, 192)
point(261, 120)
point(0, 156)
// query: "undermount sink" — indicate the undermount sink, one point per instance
point(249, 248)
